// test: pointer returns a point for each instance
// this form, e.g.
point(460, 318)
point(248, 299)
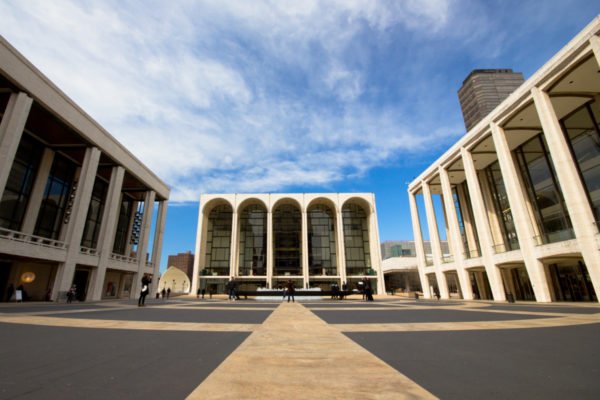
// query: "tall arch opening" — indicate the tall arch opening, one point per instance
point(322, 258)
point(218, 240)
point(356, 240)
point(253, 241)
point(287, 240)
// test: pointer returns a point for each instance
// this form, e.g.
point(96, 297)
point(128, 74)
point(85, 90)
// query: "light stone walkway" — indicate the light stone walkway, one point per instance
point(296, 355)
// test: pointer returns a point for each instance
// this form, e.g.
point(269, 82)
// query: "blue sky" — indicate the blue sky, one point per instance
point(283, 96)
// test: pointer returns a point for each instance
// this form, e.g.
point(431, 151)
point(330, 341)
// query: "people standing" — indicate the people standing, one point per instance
point(163, 293)
point(368, 290)
point(144, 292)
point(168, 293)
point(71, 294)
point(231, 289)
point(290, 290)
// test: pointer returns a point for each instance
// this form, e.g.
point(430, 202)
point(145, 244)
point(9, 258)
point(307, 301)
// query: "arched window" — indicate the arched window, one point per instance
point(356, 240)
point(253, 241)
point(218, 240)
point(287, 240)
point(321, 241)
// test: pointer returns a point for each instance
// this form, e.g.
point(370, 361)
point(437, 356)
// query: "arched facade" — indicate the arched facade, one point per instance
point(265, 239)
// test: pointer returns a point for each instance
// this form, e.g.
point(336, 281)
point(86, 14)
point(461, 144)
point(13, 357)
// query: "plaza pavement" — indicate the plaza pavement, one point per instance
point(392, 348)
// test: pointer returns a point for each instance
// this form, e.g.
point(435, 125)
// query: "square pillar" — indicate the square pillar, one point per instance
point(454, 234)
point(304, 243)
point(198, 250)
point(74, 231)
point(434, 238)
point(341, 246)
point(37, 192)
point(483, 228)
point(159, 233)
point(11, 131)
point(419, 245)
point(106, 237)
point(270, 250)
point(233, 245)
point(374, 242)
point(574, 193)
point(521, 217)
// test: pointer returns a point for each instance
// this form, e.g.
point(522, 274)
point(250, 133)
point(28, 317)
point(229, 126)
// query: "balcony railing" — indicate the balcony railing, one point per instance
point(120, 257)
point(31, 239)
point(553, 237)
point(447, 259)
point(503, 248)
point(88, 251)
point(472, 254)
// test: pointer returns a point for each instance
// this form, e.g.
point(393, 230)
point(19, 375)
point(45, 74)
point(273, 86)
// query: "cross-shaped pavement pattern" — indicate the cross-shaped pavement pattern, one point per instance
point(392, 348)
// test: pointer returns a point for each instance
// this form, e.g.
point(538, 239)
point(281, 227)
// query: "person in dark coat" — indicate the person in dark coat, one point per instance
point(290, 290)
point(144, 292)
point(368, 290)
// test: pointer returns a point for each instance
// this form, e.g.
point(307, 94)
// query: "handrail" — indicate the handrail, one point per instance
point(32, 239)
point(120, 257)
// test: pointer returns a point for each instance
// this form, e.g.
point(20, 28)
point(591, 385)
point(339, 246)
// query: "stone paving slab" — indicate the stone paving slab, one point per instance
point(543, 363)
point(295, 355)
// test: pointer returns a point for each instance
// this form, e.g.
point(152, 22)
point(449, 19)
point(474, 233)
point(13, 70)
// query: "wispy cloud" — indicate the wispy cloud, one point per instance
point(239, 96)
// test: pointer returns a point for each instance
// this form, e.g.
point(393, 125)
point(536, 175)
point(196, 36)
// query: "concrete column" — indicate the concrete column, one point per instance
point(454, 234)
point(37, 192)
point(106, 237)
point(374, 242)
point(74, 231)
point(341, 246)
point(468, 224)
point(574, 193)
point(142, 246)
point(521, 217)
point(234, 245)
point(483, 228)
point(488, 201)
point(419, 246)
point(159, 233)
point(434, 238)
point(304, 244)
point(198, 251)
point(11, 131)
point(270, 254)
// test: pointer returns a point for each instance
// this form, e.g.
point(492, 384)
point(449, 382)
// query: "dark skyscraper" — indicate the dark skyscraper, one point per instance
point(483, 90)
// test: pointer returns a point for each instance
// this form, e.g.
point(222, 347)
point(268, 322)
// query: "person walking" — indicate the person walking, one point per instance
point(163, 293)
point(231, 289)
point(168, 293)
point(144, 292)
point(290, 290)
point(71, 294)
point(368, 290)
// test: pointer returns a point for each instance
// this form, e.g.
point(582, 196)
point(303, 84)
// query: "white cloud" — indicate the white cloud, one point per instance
point(232, 96)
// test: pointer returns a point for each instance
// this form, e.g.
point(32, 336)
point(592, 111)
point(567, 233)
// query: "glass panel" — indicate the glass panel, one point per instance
point(125, 211)
point(20, 181)
point(94, 215)
point(321, 241)
point(287, 249)
point(356, 240)
point(544, 191)
point(582, 131)
point(217, 250)
point(502, 208)
point(253, 241)
point(54, 203)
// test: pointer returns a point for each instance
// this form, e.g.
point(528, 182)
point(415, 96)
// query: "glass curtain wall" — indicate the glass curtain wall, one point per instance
point(20, 182)
point(56, 197)
point(582, 131)
point(287, 240)
point(463, 209)
point(321, 241)
point(125, 211)
point(356, 240)
point(502, 208)
point(544, 191)
point(94, 215)
point(218, 240)
point(253, 241)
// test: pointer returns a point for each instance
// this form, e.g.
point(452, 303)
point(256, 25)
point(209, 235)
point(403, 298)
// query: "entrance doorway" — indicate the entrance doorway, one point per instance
point(454, 291)
point(480, 285)
point(571, 282)
point(516, 282)
point(81, 279)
